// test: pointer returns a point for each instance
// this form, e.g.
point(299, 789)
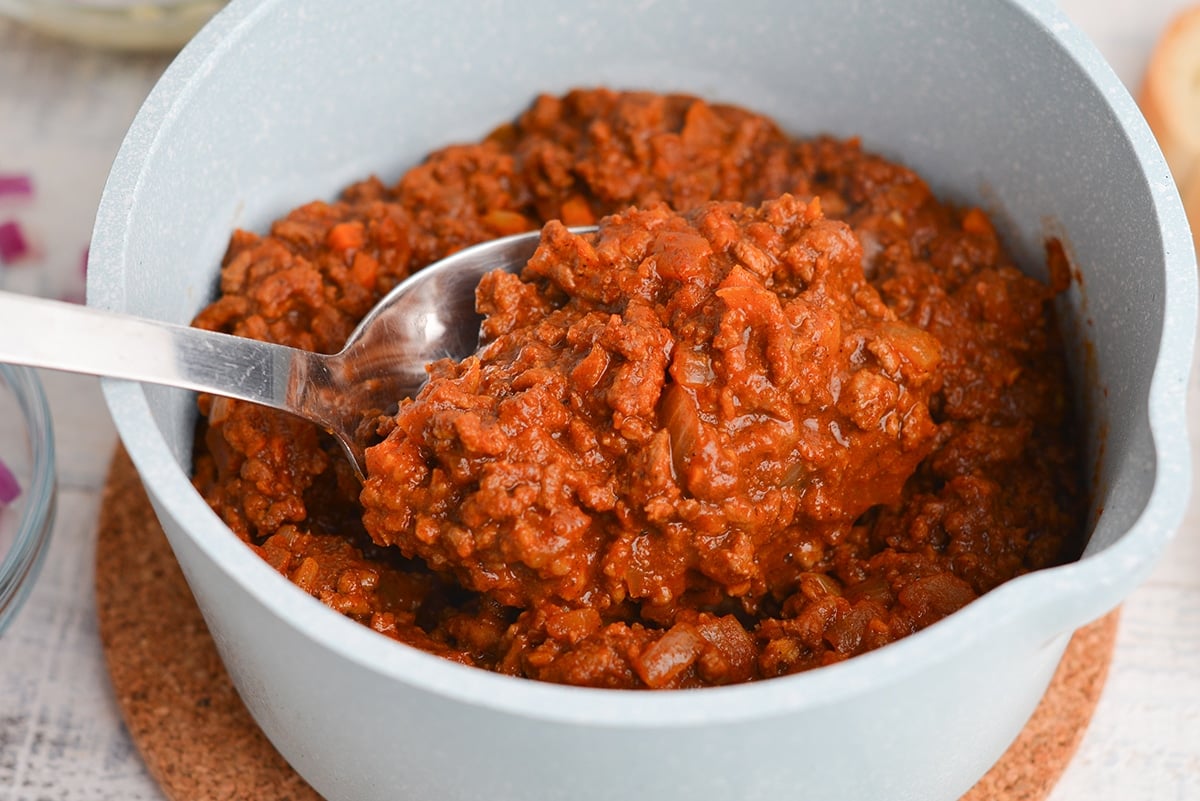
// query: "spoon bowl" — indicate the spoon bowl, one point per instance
point(428, 316)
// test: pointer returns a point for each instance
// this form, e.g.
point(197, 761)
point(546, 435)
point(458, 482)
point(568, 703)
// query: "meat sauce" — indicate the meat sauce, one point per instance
point(782, 408)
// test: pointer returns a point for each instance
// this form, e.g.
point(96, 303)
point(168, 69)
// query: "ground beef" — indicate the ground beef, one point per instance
point(783, 408)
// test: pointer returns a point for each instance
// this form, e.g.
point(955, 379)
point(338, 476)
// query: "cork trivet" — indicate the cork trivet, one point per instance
point(200, 743)
point(194, 733)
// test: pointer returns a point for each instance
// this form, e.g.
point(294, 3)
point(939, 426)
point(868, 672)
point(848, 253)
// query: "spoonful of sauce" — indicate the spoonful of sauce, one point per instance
point(428, 316)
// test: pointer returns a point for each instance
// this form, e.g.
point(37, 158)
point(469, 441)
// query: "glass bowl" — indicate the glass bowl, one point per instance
point(27, 453)
point(134, 25)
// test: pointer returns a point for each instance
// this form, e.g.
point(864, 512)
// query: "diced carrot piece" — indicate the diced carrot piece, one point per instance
point(976, 222)
point(576, 211)
point(346, 236)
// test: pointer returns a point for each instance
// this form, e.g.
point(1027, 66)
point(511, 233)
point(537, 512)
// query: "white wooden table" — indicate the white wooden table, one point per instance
point(63, 112)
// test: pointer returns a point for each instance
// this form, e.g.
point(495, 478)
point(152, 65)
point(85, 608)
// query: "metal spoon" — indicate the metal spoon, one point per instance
point(429, 316)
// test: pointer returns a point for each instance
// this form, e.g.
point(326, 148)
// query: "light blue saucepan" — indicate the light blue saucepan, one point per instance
point(1005, 104)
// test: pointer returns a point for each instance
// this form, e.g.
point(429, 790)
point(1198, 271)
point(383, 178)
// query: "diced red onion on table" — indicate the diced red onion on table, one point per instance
point(15, 185)
point(9, 488)
point(13, 244)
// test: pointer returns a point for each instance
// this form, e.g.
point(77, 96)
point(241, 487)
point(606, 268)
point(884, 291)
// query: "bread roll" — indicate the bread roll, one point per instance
point(1170, 100)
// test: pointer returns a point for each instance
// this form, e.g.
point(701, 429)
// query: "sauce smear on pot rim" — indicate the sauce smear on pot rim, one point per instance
point(784, 407)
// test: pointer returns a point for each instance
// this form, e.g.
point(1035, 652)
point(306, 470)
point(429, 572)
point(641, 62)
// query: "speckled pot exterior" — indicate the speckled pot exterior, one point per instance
point(1004, 104)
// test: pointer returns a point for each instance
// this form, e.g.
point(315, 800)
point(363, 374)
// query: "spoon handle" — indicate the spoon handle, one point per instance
point(65, 336)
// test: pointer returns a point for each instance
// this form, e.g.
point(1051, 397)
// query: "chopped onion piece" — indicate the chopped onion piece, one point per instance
point(9, 488)
point(13, 244)
point(16, 185)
